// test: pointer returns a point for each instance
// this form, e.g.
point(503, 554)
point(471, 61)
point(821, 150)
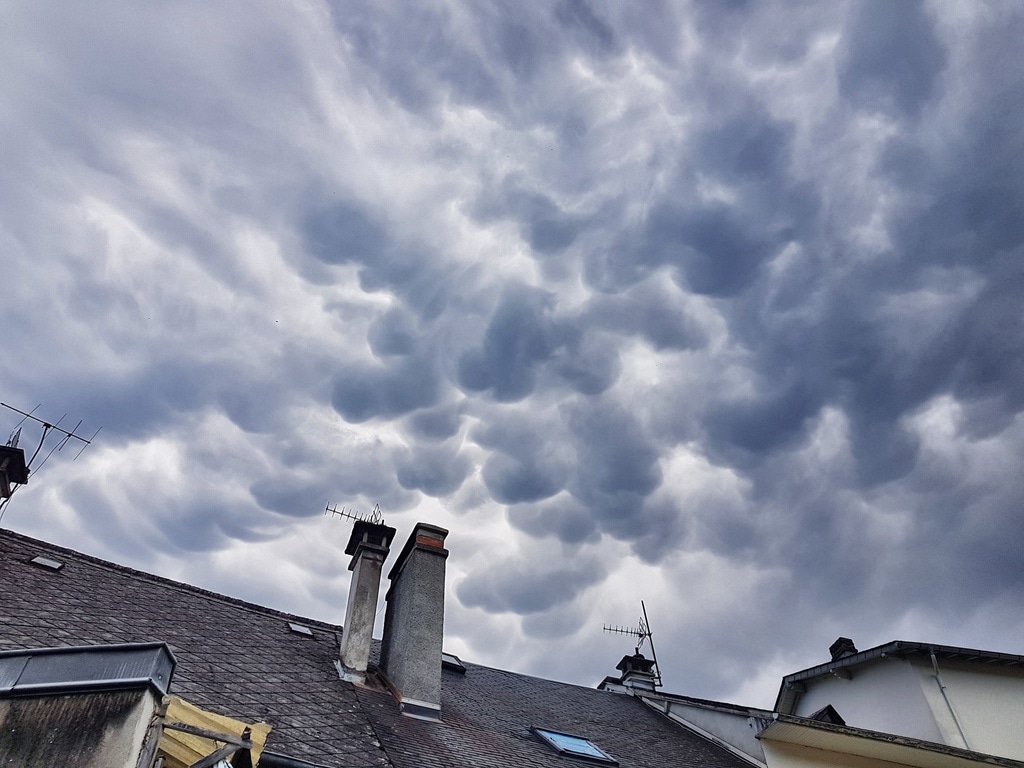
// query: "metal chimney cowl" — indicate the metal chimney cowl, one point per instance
point(841, 648)
point(414, 623)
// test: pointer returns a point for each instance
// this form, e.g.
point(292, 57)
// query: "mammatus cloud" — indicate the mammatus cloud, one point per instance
point(715, 306)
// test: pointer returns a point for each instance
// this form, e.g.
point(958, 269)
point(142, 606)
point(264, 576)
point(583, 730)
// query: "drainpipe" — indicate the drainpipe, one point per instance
point(942, 688)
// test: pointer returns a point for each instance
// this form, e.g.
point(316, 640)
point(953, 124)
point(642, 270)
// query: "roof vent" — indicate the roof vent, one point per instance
point(841, 648)
point(300, 629)
point(45, 562)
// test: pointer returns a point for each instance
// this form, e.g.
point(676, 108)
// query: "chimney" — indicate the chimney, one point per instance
point(841, 648)
point(369, 547)
point(414, 623)
point(637, 672)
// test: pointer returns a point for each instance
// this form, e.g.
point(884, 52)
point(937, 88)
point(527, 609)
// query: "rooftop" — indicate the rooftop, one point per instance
point(245, 661)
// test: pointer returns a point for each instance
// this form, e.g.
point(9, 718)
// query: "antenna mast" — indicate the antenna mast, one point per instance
point(375, 517)
point(14, 469)
point(642, 632)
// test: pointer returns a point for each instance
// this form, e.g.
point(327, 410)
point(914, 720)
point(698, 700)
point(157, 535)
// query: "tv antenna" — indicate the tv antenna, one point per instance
point(375, 517)
point(642, 633)
point(15, 469)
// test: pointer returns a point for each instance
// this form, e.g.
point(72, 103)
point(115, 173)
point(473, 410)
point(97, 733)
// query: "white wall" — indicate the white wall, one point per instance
point(733, 728)
point(987, 699)
point(883, 695)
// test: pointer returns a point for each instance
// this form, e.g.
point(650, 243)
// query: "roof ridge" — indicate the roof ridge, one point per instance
point(167, 582)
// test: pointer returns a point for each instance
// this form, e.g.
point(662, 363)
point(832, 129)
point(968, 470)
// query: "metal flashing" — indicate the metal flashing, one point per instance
point(89, 668)
point(452, 663)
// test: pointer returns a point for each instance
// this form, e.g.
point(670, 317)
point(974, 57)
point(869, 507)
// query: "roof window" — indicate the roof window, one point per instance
point(575, 746)
point(300, 629)
point(46, 562)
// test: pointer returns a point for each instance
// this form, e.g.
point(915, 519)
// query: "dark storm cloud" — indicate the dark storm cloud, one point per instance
point(524, 587)
point(524, 464)
point(363, 392)
point(344, 233)
point(718, 246)
point(435, 470)
point(616, 464)
point(727, 289)
point(890, 59)
point(435, 424)
point(545, 227)
point(652, 310)
point(562, 516)
point(519, 337)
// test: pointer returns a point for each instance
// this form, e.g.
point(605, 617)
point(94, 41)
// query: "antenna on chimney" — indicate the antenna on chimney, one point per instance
point(642, 632)
point(375, 517)
point(14, 469)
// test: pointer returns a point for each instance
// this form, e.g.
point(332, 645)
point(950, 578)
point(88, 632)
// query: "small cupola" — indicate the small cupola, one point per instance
point(637, 672)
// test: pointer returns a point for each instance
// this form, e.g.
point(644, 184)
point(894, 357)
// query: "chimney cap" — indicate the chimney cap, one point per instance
point(365, 532)
point(841, 648)
point(637, 663)
point(424, 536)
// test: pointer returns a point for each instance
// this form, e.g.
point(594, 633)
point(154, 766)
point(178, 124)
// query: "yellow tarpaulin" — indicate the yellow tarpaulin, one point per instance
point(183, 749)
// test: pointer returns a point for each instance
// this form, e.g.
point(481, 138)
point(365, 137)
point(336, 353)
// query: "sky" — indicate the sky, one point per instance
point(713, 305)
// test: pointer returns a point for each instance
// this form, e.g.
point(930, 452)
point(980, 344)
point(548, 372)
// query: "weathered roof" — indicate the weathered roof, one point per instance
point(242, 660)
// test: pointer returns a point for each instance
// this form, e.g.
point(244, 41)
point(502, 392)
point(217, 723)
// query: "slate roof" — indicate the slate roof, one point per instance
point(242, 660)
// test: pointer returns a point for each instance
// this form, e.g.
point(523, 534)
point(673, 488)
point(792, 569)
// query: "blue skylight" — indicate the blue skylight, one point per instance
point(576, 746)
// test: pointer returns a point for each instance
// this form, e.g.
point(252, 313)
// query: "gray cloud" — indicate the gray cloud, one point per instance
point(724, 295)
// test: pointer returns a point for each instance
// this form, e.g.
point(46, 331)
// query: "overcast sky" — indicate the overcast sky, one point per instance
point(716, 305)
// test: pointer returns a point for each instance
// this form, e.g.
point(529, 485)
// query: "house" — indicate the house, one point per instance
point(285, 691)
point(964, 704)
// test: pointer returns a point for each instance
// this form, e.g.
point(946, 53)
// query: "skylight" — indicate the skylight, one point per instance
point(300, 629)
point(575, 746)
point(46, 562)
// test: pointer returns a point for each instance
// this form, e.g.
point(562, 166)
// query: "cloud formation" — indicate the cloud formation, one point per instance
point(712, 305)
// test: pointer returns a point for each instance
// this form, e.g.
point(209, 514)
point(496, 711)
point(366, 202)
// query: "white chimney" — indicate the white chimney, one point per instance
point(369, 547)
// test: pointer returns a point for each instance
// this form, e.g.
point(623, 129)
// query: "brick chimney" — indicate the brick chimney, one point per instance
point(369, 547)
point(414, 623)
